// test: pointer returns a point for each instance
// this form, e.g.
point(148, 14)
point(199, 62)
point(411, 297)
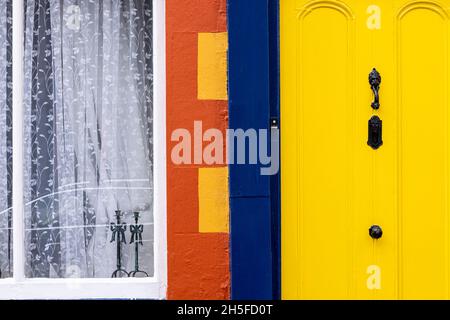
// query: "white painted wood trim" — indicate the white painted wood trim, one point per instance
point(159, 142)
point(17, 122)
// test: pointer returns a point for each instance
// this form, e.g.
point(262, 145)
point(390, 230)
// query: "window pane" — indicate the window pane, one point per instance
point(6, 245)
point(88, 137)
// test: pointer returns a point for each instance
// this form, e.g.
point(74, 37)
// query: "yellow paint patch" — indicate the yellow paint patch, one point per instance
point(213, 200)
point(212, 66)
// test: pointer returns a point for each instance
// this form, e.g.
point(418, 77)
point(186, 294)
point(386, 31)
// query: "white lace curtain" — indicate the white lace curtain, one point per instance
point(88, 134)
point(5, 140)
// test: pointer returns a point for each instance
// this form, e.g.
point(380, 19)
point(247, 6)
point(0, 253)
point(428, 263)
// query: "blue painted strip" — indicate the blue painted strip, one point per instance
point(253, 100)
point(275, 182)
point(251, 263)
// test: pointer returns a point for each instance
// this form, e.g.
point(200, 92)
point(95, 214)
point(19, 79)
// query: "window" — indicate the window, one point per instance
point(82, 160)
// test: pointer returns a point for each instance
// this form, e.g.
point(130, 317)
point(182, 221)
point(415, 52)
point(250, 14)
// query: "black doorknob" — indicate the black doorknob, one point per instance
point(375, 232)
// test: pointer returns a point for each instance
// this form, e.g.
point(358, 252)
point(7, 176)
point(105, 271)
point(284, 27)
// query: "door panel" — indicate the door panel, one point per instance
point(334, 186)
point(320, 151)
point(422, 70)
point(325, 120)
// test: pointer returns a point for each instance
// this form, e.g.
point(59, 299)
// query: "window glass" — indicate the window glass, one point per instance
point(87, 139)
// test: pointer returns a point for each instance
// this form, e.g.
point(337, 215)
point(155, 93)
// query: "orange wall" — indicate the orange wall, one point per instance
point(198, 261)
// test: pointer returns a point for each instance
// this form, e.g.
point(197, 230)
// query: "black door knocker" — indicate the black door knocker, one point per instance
point(375, 81)
point(375, 132)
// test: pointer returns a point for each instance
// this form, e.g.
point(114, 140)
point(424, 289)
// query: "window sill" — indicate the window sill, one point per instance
point(82, 289)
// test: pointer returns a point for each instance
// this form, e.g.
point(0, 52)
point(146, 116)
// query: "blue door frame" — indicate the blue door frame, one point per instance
point(253, 103)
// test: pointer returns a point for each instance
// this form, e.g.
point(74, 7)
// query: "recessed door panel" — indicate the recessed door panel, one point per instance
point(325, 121)
point(422, 75)
point(320, 151)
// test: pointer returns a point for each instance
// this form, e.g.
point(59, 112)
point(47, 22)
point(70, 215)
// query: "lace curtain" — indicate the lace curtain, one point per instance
point(88, 135)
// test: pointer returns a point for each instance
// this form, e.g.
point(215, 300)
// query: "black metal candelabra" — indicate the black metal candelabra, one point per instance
point(118, 234)
point(136, 238)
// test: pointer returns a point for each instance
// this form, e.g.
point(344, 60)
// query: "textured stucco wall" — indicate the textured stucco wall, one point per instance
point(197, 208)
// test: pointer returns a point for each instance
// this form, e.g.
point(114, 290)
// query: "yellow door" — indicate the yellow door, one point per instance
point(335, 186)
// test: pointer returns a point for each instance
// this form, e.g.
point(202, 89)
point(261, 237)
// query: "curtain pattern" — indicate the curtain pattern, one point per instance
point(88, 134)
point(5, 139)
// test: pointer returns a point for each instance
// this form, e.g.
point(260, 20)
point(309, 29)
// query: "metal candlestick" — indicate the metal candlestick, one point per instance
point(118, 234)
point(136, 238)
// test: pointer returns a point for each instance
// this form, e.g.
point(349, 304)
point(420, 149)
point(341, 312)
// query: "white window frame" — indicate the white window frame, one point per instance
point(19, 287)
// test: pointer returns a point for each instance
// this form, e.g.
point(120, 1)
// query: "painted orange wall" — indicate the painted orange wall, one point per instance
point(198, 239)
